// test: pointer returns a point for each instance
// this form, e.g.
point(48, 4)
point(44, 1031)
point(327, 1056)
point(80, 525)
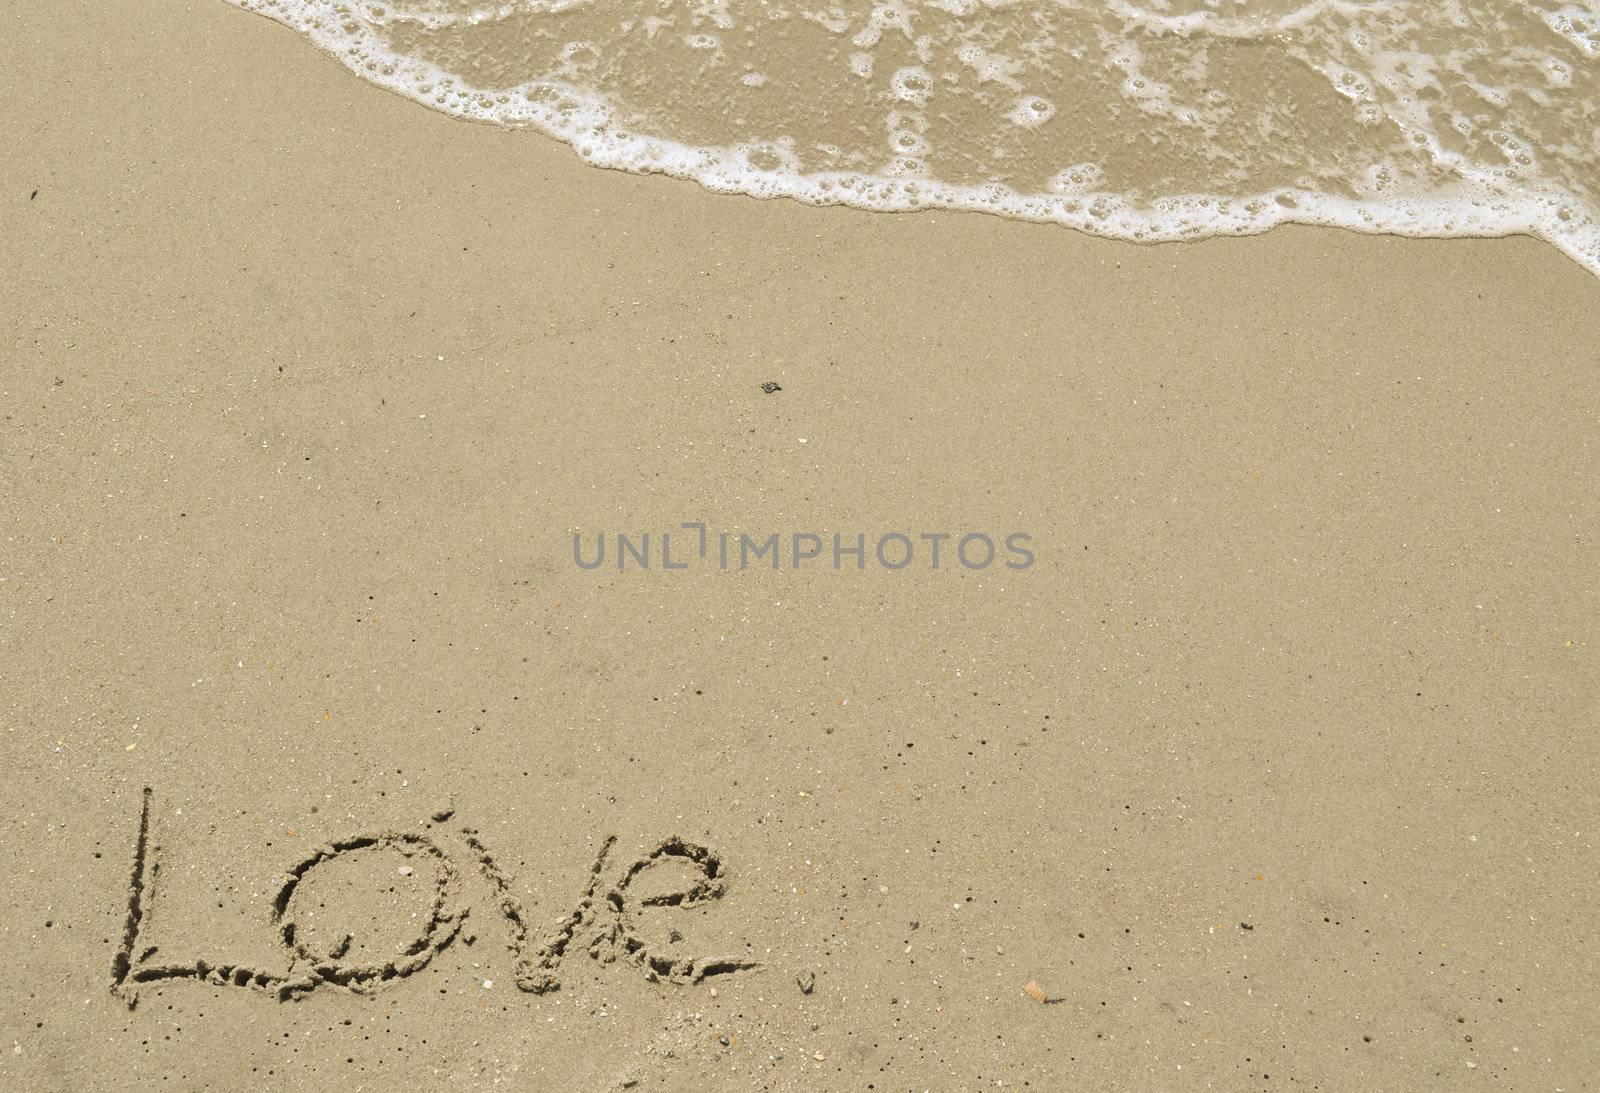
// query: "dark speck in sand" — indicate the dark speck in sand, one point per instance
point(33, 195)
point(769, 387)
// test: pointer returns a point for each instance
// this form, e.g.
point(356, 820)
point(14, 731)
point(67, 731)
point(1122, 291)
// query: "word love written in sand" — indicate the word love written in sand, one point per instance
point(607, 924)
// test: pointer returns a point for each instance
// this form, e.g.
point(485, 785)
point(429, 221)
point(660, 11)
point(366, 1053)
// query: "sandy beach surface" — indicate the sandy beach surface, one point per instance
point(1277, 769)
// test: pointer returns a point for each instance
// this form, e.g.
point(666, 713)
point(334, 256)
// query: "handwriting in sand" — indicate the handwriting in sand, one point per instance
point(606, 920)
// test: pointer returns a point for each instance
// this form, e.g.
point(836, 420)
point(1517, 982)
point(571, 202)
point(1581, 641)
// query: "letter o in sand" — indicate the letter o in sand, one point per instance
point(440, 925)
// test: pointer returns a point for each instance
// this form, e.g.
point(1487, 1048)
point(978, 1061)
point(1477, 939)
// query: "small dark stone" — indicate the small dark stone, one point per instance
point(769, 387)
point(1246, 926)
point(806, 981)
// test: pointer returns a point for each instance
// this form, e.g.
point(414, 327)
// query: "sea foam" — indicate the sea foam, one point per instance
point(1173, 119)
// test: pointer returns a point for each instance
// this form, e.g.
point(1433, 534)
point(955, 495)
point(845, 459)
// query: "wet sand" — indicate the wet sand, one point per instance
point(1277, 769)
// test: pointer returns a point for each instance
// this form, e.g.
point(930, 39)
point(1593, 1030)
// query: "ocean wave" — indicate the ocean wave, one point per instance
point(1160, 121)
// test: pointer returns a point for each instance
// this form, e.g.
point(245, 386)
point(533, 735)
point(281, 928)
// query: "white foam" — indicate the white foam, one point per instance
point(1472, 182)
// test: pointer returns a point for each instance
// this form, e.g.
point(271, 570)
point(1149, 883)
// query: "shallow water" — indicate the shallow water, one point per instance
point(1166, 120)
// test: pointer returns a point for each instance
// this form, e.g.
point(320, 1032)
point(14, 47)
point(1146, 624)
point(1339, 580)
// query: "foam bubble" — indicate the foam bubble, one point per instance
point(912, 85)
point(1032, 111)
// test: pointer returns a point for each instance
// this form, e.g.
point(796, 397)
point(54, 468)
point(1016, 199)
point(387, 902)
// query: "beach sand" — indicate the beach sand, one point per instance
point(1278, 768)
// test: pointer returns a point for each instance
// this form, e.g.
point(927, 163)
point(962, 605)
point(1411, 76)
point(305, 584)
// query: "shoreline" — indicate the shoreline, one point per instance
point(560, 111)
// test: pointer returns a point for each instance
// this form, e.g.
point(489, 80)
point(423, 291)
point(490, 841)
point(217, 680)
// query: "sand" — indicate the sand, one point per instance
point(1277, 768)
